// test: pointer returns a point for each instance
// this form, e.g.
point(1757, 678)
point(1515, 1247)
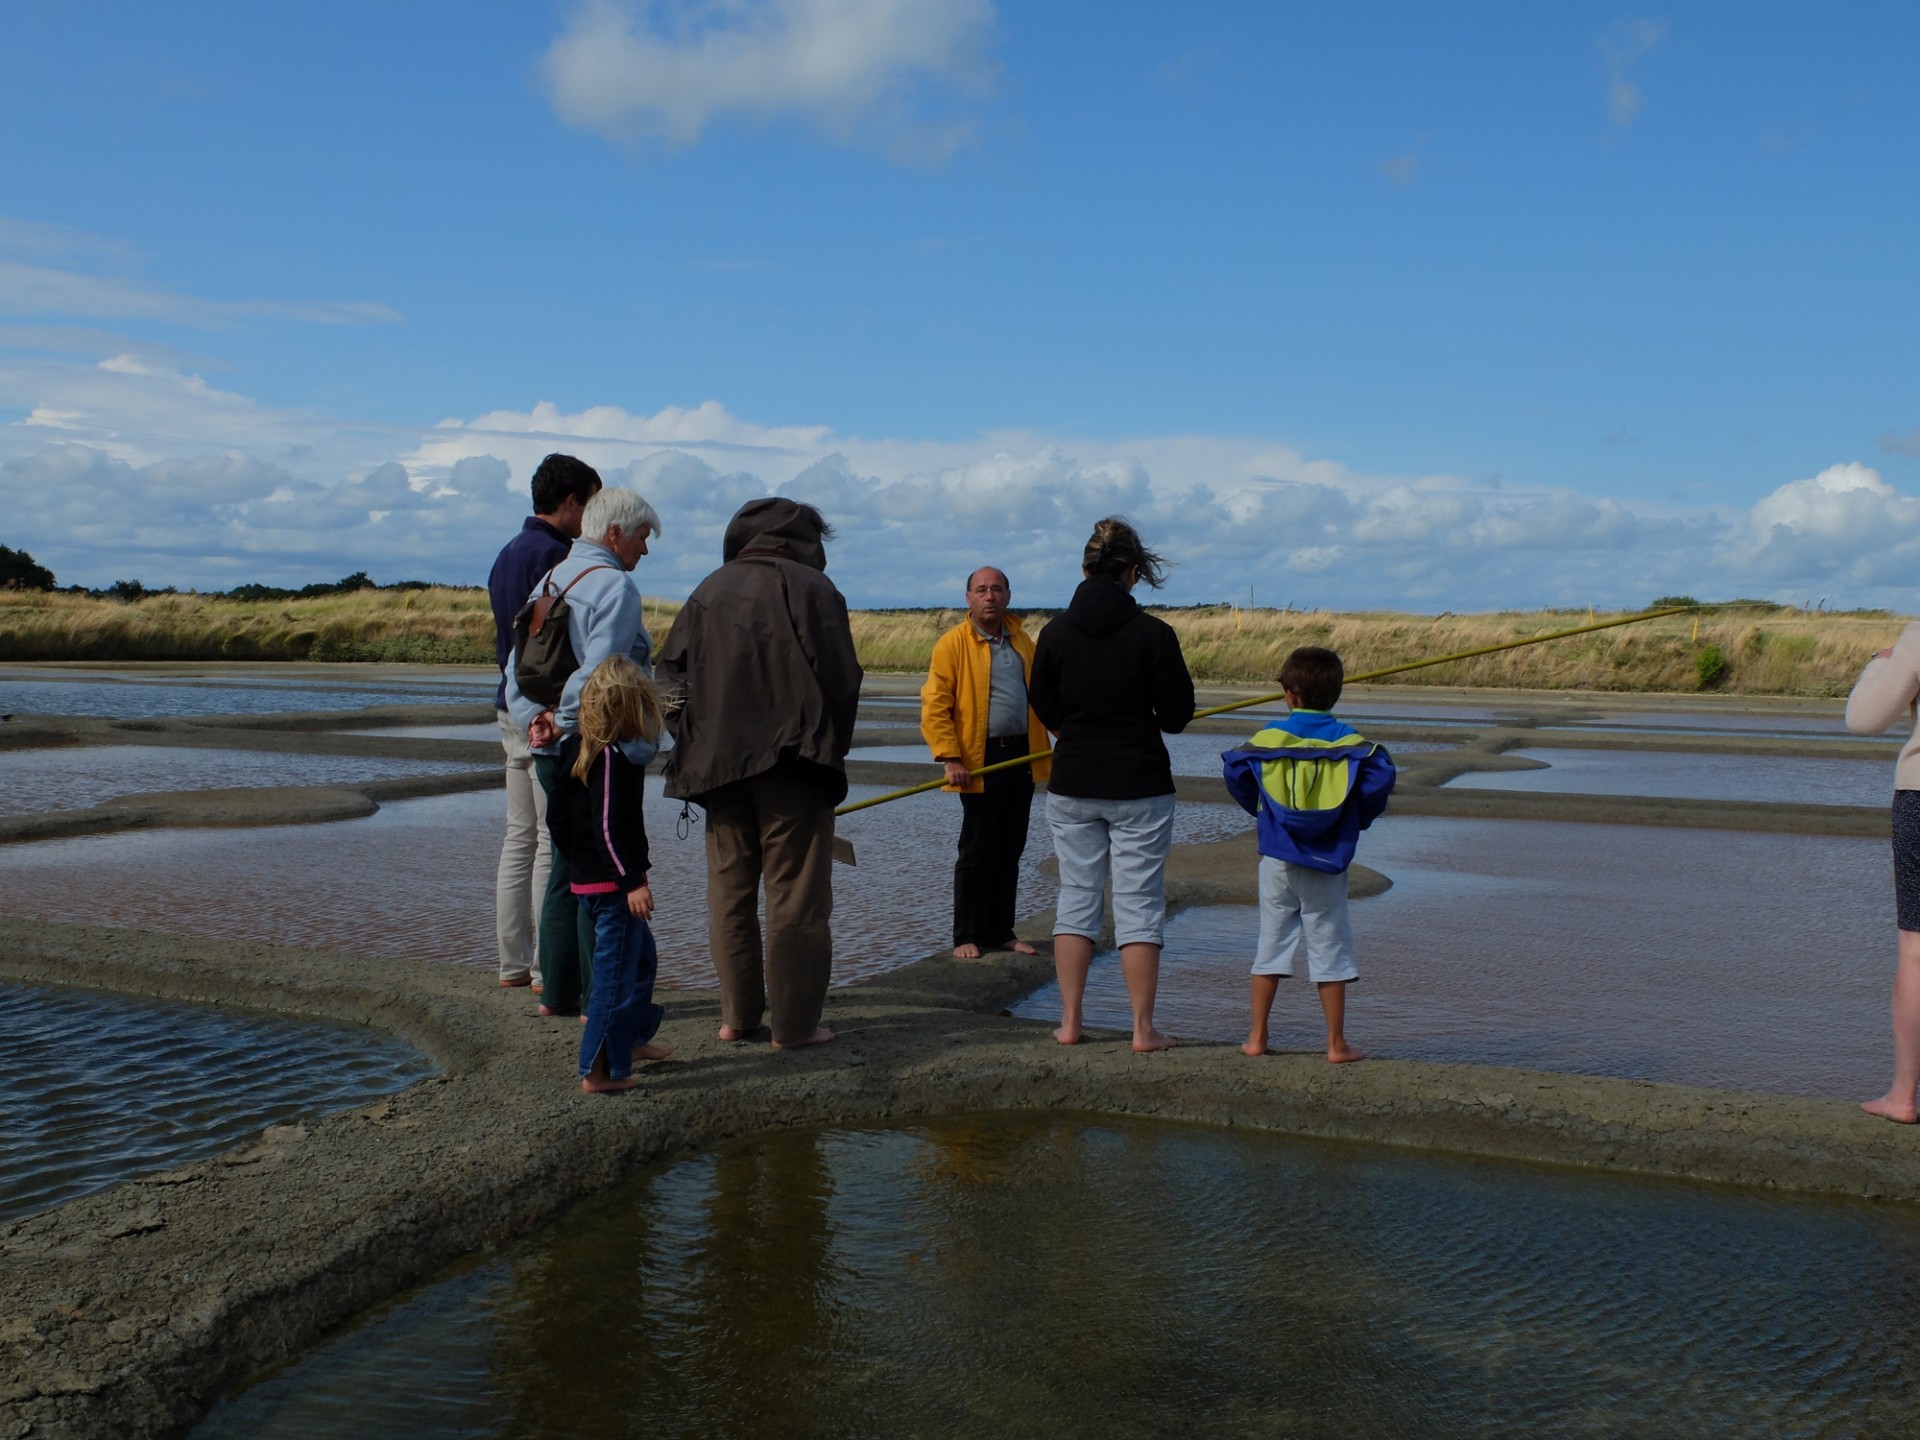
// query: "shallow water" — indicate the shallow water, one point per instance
point(481, 730)
point(416, 880)
point(1076, 1275)
point(74, 777)
point(1796, 779)
point(1833, 726)
point(1190, 754)
point(184, 1081)
point(1743, 961)
point(123, 698)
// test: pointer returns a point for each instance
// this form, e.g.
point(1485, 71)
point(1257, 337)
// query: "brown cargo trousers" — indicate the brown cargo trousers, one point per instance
point(777, 826)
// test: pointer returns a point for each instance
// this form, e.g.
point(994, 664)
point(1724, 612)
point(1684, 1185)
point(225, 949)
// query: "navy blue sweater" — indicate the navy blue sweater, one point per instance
point(521, 564)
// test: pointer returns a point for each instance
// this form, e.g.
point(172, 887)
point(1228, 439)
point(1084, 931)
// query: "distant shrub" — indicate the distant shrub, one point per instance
point(1673, 602)
point(19, 572)
point(1710, 666)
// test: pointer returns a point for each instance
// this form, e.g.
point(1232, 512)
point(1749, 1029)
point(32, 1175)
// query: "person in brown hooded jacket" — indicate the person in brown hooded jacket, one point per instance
point(761, 663)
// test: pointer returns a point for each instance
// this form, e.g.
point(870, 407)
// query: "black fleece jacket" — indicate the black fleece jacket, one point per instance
point(599, 826)
point(1107, 679)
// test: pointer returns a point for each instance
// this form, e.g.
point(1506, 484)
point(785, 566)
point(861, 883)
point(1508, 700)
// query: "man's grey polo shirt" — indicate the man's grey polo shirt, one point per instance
point(1007, 686)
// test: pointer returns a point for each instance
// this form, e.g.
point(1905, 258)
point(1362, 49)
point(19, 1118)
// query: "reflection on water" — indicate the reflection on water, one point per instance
point(1733, 722)
point(99, 1088)
point(416, 880)
point(1191, 754)
point(127, 699)
point(1750, 962)
point(1797, 779)
point(1065, 1276)
point(481, 730)
point(72, 778)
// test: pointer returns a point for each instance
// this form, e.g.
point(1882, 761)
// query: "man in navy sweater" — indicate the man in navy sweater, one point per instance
point(561, 488)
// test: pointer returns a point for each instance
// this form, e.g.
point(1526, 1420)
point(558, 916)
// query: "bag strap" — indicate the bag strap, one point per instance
point(548, 597)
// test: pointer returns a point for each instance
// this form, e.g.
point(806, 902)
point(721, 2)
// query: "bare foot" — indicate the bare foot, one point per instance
point(583, 1017)
point(820, 1036)
point(605, 1085)
point(1020, 947)
point(1153, 1040)
point(549, 1014)
point(733, 1035)
point(968, 951)
point(1343, 1054)
point(1254, 1046)
point(1888, 1108)
point(1067, 1036)
point(651, 1052)
point(515, 982)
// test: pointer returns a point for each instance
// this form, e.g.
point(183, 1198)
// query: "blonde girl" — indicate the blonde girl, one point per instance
point(597, 824)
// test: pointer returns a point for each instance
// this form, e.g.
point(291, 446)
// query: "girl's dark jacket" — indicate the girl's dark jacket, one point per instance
point(599, 826)
point(761, 660)
point(1107, 679)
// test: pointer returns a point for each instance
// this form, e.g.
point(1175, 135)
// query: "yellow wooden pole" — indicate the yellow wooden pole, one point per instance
point(1380, 674)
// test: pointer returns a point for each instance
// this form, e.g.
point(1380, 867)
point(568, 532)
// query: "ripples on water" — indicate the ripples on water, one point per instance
point(1066, 1276)
point(96, 1089)
point(1190, 754)
point(1744, 961)
point(1796, 779)
point(72, 778)
point(125, 699)
point(416, 880)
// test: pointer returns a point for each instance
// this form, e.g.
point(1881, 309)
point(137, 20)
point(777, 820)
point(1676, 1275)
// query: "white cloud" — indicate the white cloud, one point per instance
point(130, 468)
point(1844, 522)
point(1622, 48)
point(44, 290)
point(893, 73)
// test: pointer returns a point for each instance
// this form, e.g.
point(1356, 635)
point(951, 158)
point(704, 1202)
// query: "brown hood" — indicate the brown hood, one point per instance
point(776, 526)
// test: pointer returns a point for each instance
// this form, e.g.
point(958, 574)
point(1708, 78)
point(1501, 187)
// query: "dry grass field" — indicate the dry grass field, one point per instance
point(1764, 650)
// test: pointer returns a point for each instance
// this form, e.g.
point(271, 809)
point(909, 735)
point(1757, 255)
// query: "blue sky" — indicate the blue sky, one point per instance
point(1443, 307)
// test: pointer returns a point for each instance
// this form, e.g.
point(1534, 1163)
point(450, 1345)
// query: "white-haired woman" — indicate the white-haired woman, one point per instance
point(603, 619)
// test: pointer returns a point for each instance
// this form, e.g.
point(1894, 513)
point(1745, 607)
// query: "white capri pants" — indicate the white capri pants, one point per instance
point(1128, 839)
point(1300, 904)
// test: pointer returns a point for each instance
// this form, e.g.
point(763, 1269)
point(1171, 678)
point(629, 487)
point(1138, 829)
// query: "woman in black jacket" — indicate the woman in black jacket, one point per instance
point(1107, 679)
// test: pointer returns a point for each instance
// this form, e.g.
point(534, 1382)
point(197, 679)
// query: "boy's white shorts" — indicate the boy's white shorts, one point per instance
point(1298, 904)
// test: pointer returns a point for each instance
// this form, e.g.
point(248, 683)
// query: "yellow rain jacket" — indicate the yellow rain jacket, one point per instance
point(953, 702)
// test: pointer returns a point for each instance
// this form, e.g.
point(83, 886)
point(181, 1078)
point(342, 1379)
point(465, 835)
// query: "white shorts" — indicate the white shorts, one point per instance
point(1297, 904)
point(1128, 839)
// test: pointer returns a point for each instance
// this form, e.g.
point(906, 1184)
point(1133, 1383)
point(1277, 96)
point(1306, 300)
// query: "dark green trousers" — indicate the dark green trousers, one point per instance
point(566, 929)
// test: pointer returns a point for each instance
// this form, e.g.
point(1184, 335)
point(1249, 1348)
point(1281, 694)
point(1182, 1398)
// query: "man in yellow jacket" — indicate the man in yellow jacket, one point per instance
point(973, 713)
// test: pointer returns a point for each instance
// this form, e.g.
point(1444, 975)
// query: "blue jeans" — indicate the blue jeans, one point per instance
point(622, 1015)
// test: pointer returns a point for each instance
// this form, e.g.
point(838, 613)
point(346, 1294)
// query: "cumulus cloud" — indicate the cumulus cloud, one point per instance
point(1845, 521)
point(117, 471)
point(1622, 48)
point(898, 74)
point(67, 273)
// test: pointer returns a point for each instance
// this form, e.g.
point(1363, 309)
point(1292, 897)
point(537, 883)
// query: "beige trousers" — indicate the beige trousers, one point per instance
point(778, 828)
point(520, 882)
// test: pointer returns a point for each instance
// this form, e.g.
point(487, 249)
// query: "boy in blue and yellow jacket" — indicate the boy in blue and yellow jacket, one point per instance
point(1314, 784)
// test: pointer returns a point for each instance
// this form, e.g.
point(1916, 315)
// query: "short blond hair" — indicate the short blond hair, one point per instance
point(617, 703)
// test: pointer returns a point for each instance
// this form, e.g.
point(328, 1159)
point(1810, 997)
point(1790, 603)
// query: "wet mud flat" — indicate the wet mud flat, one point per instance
point(99, 1088)
point(1019, 1274)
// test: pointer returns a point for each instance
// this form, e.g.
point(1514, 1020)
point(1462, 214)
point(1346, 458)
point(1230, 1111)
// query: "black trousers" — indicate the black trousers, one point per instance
point(993, 836)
